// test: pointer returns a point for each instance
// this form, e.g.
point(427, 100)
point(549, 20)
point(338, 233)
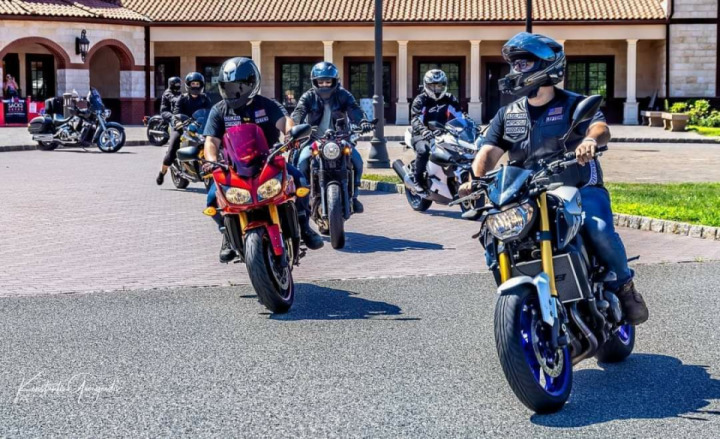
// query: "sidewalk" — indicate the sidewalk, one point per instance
point(18, 139)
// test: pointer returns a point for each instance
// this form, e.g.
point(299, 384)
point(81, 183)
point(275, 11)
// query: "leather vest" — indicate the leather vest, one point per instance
point(543, 140)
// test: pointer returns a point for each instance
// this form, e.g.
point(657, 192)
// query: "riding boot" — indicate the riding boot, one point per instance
point(357, 205)
point(309, 236)
point(633, 304)
point(160, 178)
point(227, 254)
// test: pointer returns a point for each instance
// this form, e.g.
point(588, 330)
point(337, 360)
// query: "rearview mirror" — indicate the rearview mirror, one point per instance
point(299, 132)
point(586, 109)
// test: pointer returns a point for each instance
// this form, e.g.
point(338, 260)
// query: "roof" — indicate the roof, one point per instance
point(335, 11)
point(103, 9)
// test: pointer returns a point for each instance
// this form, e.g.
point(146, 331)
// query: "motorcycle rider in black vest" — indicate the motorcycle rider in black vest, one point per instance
point(530, 129)
point(322, 105)
point(168, 98)
point(239, 85)
point(433, 104)
point(193, 100)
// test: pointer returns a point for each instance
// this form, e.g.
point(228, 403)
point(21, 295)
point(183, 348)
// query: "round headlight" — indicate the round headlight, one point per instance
point(107, 113)
point(511, 222)
point(238, 196)
point(270, 188)
point(331, 151)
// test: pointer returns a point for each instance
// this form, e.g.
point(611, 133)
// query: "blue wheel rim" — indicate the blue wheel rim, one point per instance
point(624, 334)
point(552, 385)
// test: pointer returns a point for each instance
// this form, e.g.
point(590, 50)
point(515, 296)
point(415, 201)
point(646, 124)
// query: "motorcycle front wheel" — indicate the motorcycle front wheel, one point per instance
point(178, 180)
point(157, 139)
point(418, 203)
point(272, 282)
point(539, 376)
point(112, 139)
point(336, 217)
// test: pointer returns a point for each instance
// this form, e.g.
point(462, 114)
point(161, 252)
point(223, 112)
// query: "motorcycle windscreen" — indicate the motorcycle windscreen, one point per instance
point(507, 185)
point(201, 117)
point(246, 149)
point(464, 129)
point(95, 101)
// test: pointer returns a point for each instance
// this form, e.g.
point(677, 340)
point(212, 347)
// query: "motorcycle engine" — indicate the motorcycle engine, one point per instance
point(66, 134)
point(76, 123)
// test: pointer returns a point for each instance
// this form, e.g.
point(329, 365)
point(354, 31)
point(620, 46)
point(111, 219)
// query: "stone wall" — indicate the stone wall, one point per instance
point(695, 9)
point(693, 60)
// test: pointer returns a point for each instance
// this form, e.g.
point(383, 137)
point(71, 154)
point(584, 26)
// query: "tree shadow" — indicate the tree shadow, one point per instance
point(645, 386)
point(363, 243)
point(313, 302)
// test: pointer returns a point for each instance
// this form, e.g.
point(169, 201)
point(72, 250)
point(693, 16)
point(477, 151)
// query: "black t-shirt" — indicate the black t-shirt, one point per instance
point(262, 111)
point(188, 105)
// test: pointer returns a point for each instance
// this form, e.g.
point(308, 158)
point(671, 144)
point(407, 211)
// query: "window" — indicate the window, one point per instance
point(453, 70)
point(40, 76)
point(165, 68)
point(362, 84)
point(591, 77)
point(294, 81)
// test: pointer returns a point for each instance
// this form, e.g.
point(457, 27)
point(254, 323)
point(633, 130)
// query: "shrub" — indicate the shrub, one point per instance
point(679, 107)
point(712, 121)
point(699, 111)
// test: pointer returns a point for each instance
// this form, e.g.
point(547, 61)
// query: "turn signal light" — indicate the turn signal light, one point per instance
point(315, 152)
point(302, 192)
point(346, 151)
point(210, 211)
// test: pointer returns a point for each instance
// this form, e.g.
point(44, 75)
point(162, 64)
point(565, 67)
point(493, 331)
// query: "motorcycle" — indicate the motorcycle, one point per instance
point(158, 130)
point(450, 164)
point(82, 127)
point(183, 172)
point(256, 197)
point(553, 310)
point(331, 181)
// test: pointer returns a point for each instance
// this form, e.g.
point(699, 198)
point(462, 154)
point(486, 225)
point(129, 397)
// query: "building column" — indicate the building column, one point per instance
point(562, 83)
point(328, 51)
point(402, 108)
point(475, 105)
point(257, 54)
point(22, 72)
point(631, 107)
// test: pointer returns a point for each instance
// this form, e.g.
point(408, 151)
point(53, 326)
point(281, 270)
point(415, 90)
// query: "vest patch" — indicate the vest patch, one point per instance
point(516, 130)
point(522, 116)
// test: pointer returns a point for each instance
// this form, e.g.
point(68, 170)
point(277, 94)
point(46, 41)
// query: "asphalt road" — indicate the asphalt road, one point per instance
point(402, 357)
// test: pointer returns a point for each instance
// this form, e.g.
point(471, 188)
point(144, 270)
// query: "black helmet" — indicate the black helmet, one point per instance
point(324, 70)
point(194, 77)
point(535, 61)
point(435, 84)
point(174, 84)
point(239, 81)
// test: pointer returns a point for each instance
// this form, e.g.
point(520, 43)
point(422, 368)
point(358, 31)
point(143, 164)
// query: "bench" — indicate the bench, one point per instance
point(675, 121)
point(652, 118)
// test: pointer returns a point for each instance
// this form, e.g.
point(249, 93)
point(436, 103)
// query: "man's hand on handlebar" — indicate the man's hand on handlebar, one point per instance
point(208, 168)
point(586, 151)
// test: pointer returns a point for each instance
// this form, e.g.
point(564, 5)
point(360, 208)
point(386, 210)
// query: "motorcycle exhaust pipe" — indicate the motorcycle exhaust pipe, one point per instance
point(158, 133)
point(592, 341)
point(43, 138)
point(399, 168)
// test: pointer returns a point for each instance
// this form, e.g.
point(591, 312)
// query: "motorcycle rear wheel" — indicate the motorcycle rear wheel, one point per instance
point(177, 179)
point(619, 347)
point(155, 139)
point(336, 217)
point(273, 284)
point(522, 342)
point(418, 203)
point(47, 146)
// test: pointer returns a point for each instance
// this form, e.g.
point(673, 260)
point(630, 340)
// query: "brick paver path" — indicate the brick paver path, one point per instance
point(73, 221)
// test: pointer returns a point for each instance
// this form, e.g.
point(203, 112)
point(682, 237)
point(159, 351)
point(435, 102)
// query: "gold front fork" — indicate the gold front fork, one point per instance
point(545, 244)
point(505, 272)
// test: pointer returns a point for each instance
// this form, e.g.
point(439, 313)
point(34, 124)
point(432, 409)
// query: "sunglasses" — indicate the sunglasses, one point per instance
point(523, 65)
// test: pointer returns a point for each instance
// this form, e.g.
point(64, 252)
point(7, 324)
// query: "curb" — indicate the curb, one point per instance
point(34, 147)
point(619, 219)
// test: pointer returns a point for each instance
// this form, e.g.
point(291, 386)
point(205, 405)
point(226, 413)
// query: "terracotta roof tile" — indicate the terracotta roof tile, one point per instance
point(288, 11)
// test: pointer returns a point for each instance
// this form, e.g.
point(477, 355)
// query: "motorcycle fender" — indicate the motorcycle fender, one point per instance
point(541, 284)
point(275, 235)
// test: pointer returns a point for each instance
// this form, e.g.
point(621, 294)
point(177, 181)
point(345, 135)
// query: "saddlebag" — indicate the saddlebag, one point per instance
point(40, 125)
point(571, 278)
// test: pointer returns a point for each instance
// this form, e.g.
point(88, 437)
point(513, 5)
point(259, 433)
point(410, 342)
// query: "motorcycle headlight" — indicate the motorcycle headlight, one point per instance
point(270, 188)
point(511, 222)
point(331, 151)
point(238, 196)
point(107, 113)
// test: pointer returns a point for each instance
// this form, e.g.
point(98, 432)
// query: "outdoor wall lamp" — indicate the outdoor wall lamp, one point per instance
point(82, 44)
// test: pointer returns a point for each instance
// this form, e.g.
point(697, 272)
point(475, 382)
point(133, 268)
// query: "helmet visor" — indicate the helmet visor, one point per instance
point(523, 65)
point(437, 87)
point(525, 43)
point(238, 90)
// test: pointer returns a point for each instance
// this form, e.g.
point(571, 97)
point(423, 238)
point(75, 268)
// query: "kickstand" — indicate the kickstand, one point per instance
point(634, 258)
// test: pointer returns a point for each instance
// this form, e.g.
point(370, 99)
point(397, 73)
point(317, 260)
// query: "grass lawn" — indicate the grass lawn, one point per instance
point(695, 203)
point(705, 131)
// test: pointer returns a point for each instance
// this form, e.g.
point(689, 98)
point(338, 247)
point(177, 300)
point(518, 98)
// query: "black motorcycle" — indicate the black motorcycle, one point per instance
point(158, 130)
point(553, 309)
point(192, 142)
point(331, 181)
point(83, 127)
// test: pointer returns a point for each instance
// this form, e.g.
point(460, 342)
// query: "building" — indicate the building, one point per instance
point(617, 48)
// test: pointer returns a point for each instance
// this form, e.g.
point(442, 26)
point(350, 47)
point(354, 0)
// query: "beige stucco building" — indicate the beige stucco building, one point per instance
point(630, 51)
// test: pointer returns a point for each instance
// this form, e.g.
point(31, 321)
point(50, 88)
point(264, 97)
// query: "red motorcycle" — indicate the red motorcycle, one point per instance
point(256, 197)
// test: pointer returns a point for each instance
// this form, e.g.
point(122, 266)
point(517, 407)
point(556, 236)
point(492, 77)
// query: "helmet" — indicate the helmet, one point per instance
point(239, 81)
point(174, 84)
point(324, 70)
point(535, 61)
point(435, 84)
point(194, 77)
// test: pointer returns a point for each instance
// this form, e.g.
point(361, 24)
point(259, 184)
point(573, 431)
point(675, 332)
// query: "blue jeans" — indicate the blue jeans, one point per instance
point(355, 158)
point(301, 203)
point(599, 232)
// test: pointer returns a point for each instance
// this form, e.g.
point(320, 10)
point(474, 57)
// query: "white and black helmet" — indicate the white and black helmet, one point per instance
point(239, 81)
point(435, 84)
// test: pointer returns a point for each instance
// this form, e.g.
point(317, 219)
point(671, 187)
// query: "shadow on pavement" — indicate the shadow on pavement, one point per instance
point(363, 243)
point(87, 151)
point(194, 190)
point(645, 386)
point(314, 302)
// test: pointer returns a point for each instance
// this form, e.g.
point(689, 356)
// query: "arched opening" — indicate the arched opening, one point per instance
point(32, 63)
point(111, 65)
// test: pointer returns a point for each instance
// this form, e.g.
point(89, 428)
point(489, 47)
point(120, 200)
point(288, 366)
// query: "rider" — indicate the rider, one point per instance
point(531, 129)
point(322, 105)
point(193, 100)
point(239, 85)
point(433, 104)
point(169, 96)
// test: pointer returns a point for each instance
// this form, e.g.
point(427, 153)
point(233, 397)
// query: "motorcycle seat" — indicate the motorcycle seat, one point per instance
point(188, 153)
point(59, 119)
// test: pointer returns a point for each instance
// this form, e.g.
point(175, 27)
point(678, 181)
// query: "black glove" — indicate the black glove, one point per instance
point(208, 168)
point(427, 135)
point(366, 127)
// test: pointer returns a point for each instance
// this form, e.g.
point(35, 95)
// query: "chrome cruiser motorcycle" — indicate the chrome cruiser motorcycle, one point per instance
point(82, 128)
point(553, 310)
point(450, 164)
